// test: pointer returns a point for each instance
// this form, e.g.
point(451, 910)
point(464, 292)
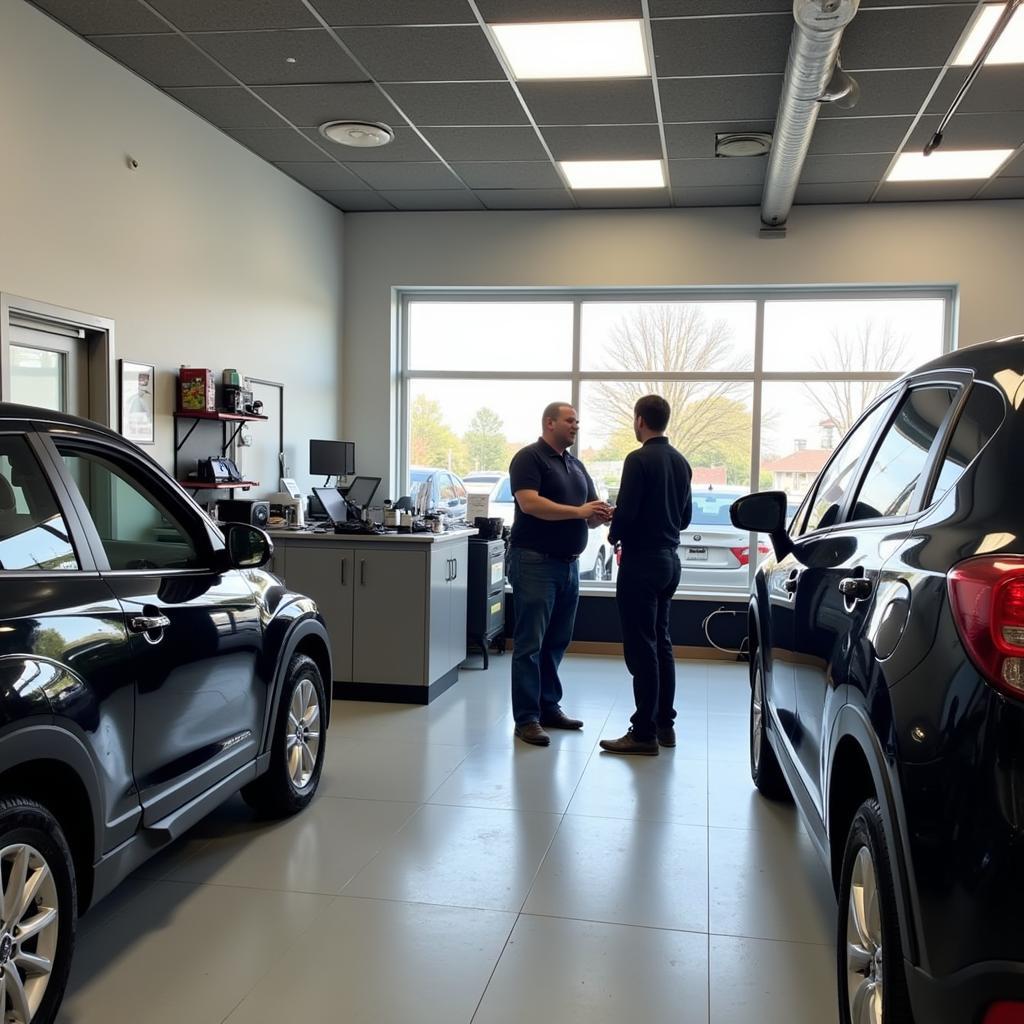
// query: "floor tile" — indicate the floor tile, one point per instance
point(580, 972)
point(460, 857)
point(728, 738)
point(379, 962)
point(729, 692)
point(502, 732)
point(647, 873)
point(733, 801)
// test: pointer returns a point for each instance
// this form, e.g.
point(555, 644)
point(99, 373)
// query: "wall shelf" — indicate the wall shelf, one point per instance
point(235, 417)
point(242, 485)
point(231, 424)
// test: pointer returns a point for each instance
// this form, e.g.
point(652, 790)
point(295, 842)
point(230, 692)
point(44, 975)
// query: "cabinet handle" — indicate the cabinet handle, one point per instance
point(362, 571)
point(455, 568)
point(343, 572)
point(447, 569)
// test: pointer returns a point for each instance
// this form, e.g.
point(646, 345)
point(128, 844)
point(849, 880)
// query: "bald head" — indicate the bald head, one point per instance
point(559, 425)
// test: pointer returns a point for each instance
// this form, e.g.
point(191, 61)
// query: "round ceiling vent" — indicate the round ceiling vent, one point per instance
point(742, 143)
point(361, 134)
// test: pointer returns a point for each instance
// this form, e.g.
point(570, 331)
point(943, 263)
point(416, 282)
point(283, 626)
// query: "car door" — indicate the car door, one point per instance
point(836, 591)
point(195, 629)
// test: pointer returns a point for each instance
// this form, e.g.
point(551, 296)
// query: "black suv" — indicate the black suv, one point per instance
point(148, 670)
point(887, 689)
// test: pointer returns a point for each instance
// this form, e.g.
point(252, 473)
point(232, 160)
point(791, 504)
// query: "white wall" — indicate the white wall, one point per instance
point(205, 255)
point(974, 246)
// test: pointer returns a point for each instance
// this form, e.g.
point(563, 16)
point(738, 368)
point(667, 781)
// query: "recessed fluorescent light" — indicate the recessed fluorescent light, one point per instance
point(574, 49)
point(949, 165)
point(614, 173)
point(1010, 47)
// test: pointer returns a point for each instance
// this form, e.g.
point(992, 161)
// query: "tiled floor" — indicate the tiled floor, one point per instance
point(448, 873)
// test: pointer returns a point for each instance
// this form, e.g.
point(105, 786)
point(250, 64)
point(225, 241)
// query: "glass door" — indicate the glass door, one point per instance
point(48, 370)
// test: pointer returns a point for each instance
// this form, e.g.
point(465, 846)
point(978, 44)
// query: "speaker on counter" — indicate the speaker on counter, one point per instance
point(244, 510)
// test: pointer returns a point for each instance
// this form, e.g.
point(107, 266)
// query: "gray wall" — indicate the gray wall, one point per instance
point(973, 246)
point(205, 255)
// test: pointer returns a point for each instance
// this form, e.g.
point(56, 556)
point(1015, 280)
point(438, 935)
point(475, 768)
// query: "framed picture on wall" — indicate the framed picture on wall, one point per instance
point(136, 388)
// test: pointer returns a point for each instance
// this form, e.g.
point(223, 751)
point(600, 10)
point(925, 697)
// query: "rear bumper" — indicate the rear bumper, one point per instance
point(964, 997)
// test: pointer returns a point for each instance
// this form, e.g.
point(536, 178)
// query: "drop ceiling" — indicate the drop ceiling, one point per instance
point(269, 72)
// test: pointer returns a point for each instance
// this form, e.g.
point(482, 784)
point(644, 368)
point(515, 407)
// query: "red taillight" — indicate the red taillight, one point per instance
point(987, 599)
point(742, 555)
point(1005, 1013)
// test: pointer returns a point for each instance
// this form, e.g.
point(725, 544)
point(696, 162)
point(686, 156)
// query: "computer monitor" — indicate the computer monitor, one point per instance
point(332, 458)
point(361, 491)
point(334, 504)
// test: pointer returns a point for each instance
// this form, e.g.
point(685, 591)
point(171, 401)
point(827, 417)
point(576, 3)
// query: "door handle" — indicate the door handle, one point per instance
point(856, 588)
point(148, 623)
point(789, 585)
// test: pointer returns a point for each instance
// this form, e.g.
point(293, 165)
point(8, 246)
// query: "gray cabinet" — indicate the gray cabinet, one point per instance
point(448, 592)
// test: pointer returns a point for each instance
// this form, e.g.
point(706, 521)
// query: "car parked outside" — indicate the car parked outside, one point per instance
point(149, 669)
point(448, 493)
point(887, 689)
point(482, 481)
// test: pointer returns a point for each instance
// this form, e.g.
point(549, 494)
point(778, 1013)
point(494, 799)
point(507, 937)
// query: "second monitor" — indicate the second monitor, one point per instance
point(361, 491)
point(332, 458)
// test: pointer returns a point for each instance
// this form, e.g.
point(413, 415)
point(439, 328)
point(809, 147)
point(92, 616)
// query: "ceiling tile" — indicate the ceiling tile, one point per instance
point(919, 191)
point(319, 176)
point(486, 143)
point(395, 12)
point(697, 8)
point(90, 18)
point(460, 103)
point(407, 175)
point(232, 16)
point(736, 195)
point(912, 37)
point(868, 4)
point(859, 135)
point(722, 46)
point(1004, 188)
point(1015, 168)
point(507, 11)
point(228, 107)
point(697, 141)
point(621, 102)
point(512, 174)
point(834, 192)
point(525, 199)
point(973, 131)
point(599, 198)
point(355, 201)
point(445, 54)
point(883, 93)
point(166, 60)
point(438, 200)
point(712, 99)
point(605, 142)
point(276, 144)
point(261, 58)
point(996, 89)
point(406, 146)
point(846, 169)
point(718, 171)
point(309, 106)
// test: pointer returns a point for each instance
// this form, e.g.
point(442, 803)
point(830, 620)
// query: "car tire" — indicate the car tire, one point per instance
point(297, 753)
point(764, 765)
point(872, 987)
point(35, 858)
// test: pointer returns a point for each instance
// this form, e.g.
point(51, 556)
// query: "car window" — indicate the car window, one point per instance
point(838, 476)
point(137, 529)
point(33, 533)
point(712, 509)
point(981, 417)
point(504, 492)
point(447, 486)
point(460, 489)
point(894, 472)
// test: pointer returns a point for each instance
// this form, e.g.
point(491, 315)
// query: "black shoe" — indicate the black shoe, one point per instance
point(667, 737)
point(558, 719)
point(629, 745)
point(531, 732)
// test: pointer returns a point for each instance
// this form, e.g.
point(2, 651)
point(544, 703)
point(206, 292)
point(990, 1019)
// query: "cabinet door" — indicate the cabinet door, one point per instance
point(326, 573)
point(459, 588)
point(440, 610)
point(390, 620)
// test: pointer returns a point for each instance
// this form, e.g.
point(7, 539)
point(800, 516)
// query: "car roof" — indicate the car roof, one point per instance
point(987, 359)
point(42, 417)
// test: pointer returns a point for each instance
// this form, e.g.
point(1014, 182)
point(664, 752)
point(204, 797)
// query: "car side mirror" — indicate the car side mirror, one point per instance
point(764, 512)
point(247, 546)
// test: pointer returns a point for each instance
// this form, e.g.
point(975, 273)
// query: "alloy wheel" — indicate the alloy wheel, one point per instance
point(29, 928)
point(864, 943)
point(756, 718)
point(303, 741)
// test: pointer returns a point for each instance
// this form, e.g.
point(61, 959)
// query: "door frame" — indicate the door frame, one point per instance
point(99, 341)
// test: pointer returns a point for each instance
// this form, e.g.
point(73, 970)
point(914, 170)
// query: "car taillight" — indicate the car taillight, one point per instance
point(987, 599)
point(1005, 1013)
point(742, 555)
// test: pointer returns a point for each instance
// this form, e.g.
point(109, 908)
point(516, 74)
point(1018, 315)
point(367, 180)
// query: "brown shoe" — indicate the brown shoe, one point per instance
point(558, 719)
point(667, 737)
point(531, 732)
point(628, 745)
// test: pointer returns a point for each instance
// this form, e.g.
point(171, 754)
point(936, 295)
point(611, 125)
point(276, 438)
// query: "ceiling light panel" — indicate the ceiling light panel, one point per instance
point(1008, 50)
point(614, 173)
point(949, 165)
point(574, 49)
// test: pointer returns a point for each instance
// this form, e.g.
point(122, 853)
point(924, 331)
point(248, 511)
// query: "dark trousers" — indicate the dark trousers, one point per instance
point(646, 582)
point(545, 592)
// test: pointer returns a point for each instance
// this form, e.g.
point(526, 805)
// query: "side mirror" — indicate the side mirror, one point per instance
point(247, 546)
point(764, 512)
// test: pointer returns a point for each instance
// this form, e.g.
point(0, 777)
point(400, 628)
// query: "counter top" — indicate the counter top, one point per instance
point(459, 533)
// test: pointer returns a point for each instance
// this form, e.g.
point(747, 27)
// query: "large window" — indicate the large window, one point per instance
point(762, 384)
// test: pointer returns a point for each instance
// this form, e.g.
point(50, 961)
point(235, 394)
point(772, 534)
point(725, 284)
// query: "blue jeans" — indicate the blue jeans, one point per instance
point(545, 592)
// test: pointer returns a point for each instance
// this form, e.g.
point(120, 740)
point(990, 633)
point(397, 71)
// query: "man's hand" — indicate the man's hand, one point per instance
point(598, 511)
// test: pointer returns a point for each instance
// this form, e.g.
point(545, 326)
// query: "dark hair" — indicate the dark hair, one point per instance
point(554, 410)
point(654, 411)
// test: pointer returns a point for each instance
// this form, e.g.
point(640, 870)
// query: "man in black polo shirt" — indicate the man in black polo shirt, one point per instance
point(653, 506)
point(556, 502)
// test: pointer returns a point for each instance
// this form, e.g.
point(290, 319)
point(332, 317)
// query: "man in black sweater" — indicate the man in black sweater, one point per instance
point(654, 505)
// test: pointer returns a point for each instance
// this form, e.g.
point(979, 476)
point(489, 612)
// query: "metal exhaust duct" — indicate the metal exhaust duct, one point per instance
point(813, 51)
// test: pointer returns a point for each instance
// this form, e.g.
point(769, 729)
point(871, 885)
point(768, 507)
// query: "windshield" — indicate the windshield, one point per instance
point(504, 492)
point(712, 509)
